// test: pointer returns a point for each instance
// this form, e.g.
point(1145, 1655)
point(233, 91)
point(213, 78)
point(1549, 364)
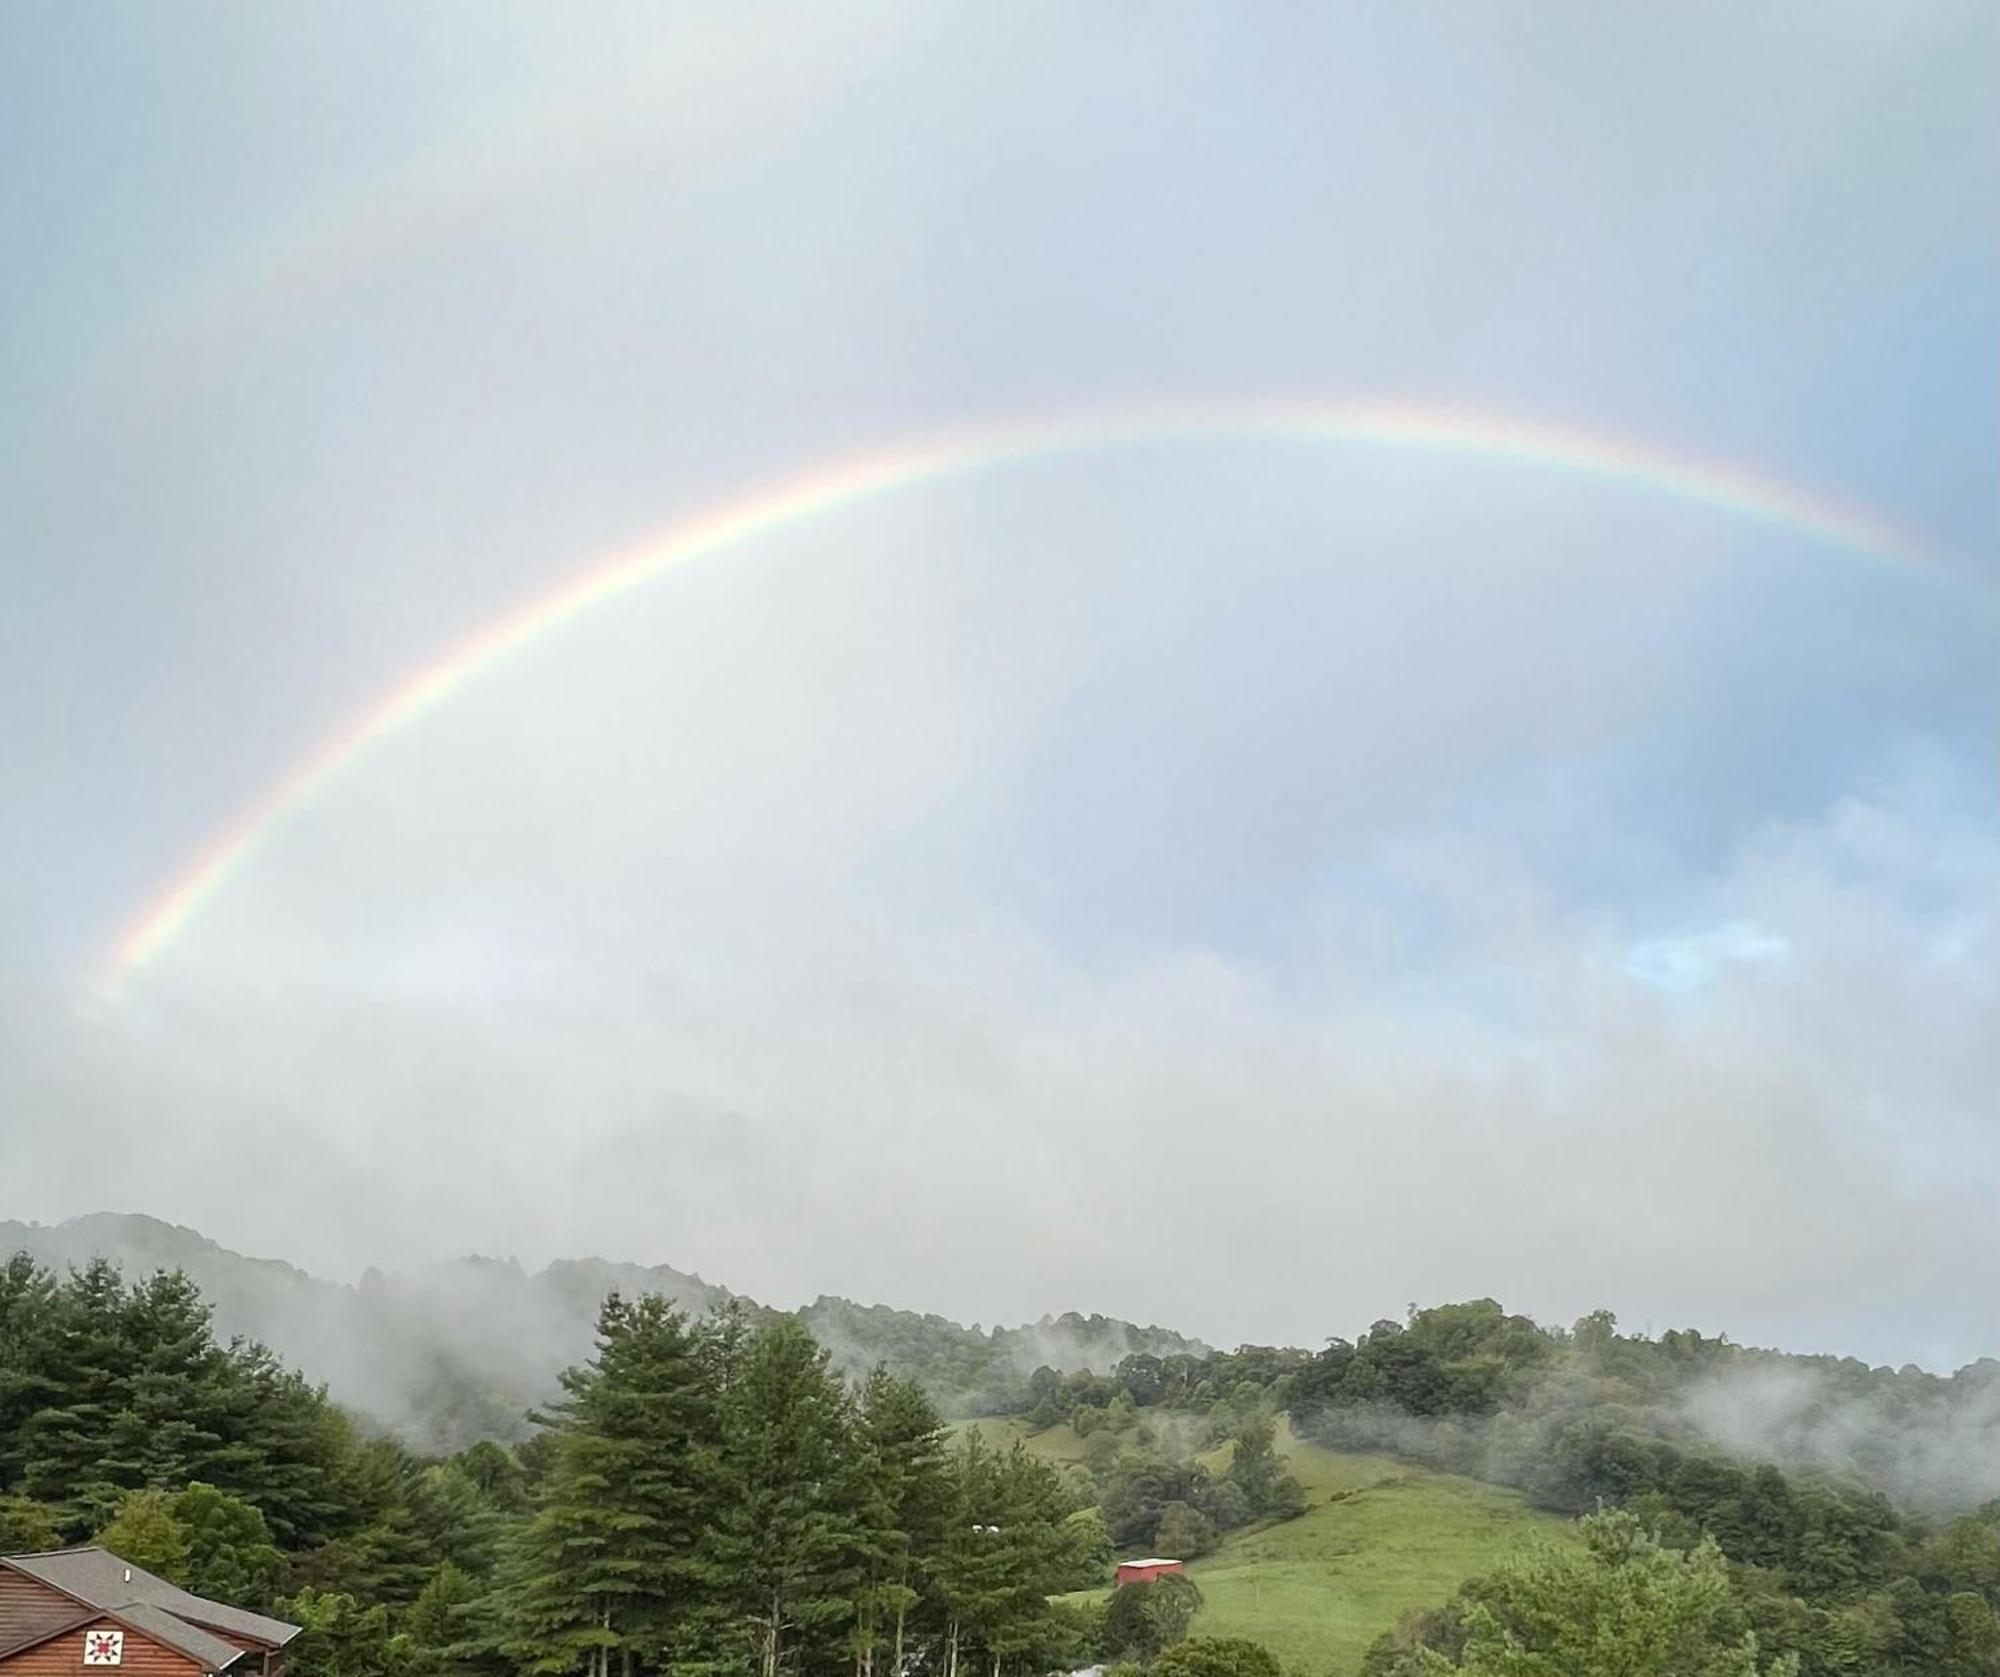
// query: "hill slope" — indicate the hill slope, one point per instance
point(461, 1351)
point(1379, 1538)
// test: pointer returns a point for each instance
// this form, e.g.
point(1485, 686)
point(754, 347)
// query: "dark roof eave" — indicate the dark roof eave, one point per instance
point(35, 1638)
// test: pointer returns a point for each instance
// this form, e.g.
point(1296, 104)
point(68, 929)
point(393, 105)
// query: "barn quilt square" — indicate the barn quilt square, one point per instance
point(104, 1647)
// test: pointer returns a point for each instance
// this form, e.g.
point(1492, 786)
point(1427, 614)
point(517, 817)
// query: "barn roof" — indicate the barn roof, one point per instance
point(164, 1611)
point(174, 1632)
point(211, 1652)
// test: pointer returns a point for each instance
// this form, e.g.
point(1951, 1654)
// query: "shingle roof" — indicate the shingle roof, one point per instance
point(48, 1630)
point(100, 1579)
point(178, 1634)
point(212, 1652)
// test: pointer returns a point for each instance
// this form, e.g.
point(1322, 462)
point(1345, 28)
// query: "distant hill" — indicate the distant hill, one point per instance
point(1380, 1537)
point(460, 1351)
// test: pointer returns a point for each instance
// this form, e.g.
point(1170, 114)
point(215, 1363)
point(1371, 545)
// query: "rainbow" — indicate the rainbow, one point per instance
point(823, 490)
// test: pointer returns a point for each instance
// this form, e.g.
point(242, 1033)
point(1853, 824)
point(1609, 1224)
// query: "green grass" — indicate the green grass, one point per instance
point(1057, 1444)
point(1380, 1536)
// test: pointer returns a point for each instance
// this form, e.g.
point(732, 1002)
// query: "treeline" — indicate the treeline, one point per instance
point(1931, 1443)
point(1620, 1605)
point(714, 1495)
point(708, 1496)
point(1201, 1383)
point(1150, 1472)
point(123, 1421)
point(1824, 1571)
point(968, 1371)
point(1635, 1603)
point(454, 1353)
point(1819, 1566)
point(716, 1498)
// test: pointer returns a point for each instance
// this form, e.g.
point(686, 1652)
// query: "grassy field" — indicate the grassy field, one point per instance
point(1380, 1536)
point(1058, 1444)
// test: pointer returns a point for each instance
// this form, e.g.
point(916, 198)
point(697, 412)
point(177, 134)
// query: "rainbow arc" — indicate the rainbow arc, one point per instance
point(821, 491)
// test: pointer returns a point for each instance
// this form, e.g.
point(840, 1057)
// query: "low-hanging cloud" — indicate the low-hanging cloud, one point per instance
point(981, 1127)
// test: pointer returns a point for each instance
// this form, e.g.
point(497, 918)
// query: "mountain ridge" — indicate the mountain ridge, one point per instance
point(417, 1352)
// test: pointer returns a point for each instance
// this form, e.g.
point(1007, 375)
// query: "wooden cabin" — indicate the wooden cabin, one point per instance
point(68, 1611)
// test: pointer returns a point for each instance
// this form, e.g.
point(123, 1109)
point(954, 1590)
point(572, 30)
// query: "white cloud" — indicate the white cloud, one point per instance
point(968, 1121)
point(1687, 959)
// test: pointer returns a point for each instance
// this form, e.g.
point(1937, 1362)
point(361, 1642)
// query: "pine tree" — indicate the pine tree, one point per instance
point(608, 1571)
point(168, 1423)
point(29, 1357)
point(1015, 1536)
point(63, 1443)
point(965, 1572)
point(903, 1501)
point(790, 1536)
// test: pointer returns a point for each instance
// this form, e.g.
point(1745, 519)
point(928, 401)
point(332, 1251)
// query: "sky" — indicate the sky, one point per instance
point(1233, 878)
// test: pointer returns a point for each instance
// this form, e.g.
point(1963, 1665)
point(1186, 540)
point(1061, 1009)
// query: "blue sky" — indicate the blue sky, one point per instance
point(1479, 880)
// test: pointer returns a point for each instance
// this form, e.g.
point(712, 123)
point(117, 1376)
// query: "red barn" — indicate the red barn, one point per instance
point(1140, 1572)
point(72, 1610)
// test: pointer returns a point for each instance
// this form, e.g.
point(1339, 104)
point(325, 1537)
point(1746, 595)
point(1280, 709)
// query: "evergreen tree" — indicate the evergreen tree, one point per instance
point(1014, 1537)
point(790, 1538)
point(903, 1501)
point(30, 1357)
point(607, 1572)
point(63, 1443)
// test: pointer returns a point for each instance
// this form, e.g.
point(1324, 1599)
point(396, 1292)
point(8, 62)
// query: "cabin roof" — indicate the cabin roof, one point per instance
point(185, 1621)
point(154, 1623)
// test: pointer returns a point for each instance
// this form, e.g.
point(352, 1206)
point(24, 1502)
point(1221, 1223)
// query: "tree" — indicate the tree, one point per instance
point(230, 1556)
point(1217, 1656)
point(1150, 1615)
point(1258, 1471)
point(609, 1564)
point(903, 1503)
point(1621, 1606)
point(341, 1637)
point(1184, 1533)
point(26, 1526)
point(1254, 1464)
point(146, 1532)
point(789, 1539)
point(1015, 1536)
point(436, 1624)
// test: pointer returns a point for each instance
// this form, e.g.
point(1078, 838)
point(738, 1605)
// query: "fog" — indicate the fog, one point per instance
point(1926, 1454)
point(999, 1133)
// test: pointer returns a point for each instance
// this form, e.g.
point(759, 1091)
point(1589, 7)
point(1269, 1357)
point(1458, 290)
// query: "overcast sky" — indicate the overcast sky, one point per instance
point(1246, 884)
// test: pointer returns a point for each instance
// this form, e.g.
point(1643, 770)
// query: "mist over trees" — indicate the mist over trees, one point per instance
point(459, 1352)
point(713, 1494)
point(464, 1352)
point(706, 1495)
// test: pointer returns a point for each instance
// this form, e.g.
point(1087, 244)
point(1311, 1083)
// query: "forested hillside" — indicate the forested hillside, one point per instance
point(460, 1352)
point(711, 1493)
point(1795, 1550)
point(705, 1494)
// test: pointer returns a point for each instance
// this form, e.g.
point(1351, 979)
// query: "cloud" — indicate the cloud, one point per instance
point(1684, 961)
point(974, 1123)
